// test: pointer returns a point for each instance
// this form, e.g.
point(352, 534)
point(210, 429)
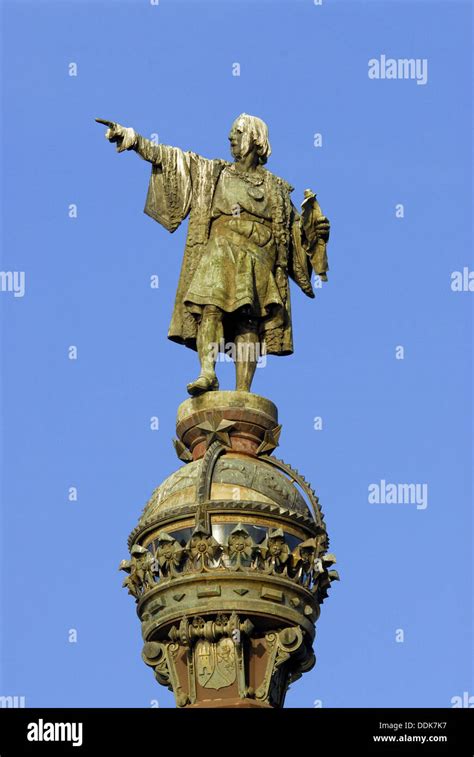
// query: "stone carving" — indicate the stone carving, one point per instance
point(216, 429)
point(323, 581)
point(274, 553)
point(169, 555)
point(141, 570)
point(270, 441)
point(240, 548)
point(203, 552)
point(215, 663)
point(307, 565)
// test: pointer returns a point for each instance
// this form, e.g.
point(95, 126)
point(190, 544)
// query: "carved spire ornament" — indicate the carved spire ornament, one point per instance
point(229, 562)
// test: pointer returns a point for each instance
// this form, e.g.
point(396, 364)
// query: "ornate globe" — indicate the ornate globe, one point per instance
point(229, 561)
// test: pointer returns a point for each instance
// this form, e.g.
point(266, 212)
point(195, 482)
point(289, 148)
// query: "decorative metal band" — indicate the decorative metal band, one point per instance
point(307, 564)
point(301, 481)
point(244, 507)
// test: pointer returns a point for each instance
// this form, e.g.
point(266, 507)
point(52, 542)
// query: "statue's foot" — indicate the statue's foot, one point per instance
point(202, 384)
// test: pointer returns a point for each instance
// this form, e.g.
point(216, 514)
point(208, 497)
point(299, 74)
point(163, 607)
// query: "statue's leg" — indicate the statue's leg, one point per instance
point(209, 336)
point(247, 345)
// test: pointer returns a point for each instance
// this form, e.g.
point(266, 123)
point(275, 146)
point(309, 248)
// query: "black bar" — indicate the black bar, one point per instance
point(150, 731)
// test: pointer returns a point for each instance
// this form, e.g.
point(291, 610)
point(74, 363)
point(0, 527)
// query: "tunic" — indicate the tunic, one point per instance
point(237, 266)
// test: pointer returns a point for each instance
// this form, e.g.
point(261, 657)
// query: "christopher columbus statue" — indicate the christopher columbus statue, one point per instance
point(245, 238)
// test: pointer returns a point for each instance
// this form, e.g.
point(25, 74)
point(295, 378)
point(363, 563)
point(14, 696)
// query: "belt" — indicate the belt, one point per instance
point(243, 216)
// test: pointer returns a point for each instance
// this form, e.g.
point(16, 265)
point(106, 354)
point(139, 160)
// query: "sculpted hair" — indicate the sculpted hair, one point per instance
point(254, 131)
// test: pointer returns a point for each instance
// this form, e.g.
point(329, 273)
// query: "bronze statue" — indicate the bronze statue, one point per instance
point(245, 238)
point(229, 561)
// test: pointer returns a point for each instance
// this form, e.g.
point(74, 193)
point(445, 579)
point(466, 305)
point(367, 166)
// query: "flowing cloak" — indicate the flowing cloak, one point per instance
point(184, 183)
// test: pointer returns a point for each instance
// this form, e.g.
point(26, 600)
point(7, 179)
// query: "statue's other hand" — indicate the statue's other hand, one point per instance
point(123, 136)
point(322, 228)
point(315, 224)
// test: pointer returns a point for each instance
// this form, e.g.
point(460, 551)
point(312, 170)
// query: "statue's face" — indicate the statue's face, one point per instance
point(235, 138)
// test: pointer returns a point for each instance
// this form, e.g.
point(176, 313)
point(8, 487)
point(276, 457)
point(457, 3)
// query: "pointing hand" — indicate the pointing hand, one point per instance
point(124, 136)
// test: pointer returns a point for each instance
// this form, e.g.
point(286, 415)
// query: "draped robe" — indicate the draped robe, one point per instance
point(184, 184)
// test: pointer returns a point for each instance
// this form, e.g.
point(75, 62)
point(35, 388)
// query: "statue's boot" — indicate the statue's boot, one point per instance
point(247, 344)
point(202, 384)
point(210, 334)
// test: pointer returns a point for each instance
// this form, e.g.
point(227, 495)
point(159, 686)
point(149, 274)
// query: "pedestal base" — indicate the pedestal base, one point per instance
point(246, 422)
point(229, 562)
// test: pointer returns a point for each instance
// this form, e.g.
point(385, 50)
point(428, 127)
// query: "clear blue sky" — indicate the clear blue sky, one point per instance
point(85, 423)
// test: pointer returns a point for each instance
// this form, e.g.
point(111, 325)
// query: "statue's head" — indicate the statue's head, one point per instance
point(249, 133)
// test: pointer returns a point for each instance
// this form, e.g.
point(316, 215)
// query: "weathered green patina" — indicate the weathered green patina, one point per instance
point(245, 238)
point(229, 561)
